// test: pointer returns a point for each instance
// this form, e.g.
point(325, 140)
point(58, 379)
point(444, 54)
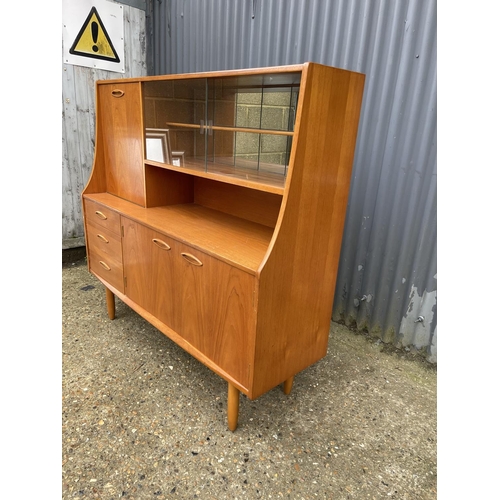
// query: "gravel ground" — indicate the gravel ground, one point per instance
point(141, 419)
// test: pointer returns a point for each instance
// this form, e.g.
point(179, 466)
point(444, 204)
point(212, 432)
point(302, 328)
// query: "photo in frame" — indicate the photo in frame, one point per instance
point(158, 145)
point(178, 158)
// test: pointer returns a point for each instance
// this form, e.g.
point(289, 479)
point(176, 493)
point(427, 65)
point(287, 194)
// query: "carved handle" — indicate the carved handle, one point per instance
point(117, 93)
point(103, 264)
point(100, 215)
point(161, 244)
point(192, 259)
point(100, 236)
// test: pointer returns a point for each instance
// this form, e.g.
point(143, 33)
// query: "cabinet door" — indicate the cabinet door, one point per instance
point(215, 309)
point(208, 303)
point(121, 124)
point(148, 261)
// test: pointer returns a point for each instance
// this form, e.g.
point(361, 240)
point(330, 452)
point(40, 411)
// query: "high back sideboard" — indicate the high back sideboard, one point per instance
point(215, 210)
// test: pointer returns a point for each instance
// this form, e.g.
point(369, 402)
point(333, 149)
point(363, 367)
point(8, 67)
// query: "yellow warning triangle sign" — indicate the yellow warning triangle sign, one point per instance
point(93, 40)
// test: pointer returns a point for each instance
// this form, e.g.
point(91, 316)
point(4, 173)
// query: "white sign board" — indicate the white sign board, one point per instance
point(93, 34)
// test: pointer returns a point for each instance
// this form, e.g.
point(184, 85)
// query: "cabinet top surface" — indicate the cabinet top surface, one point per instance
point(292, 68)
point(235, 241)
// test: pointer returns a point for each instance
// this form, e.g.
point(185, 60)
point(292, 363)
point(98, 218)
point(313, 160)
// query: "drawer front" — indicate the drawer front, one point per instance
point(100, 215)
point(104, 241)
point(109, 269)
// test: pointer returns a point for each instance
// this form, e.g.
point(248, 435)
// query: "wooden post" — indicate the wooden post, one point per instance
point(110, 302)
point(287, 386)
point(233, 406)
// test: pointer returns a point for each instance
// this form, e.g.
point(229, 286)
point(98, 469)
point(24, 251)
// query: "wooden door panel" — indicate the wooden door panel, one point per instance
point(215, 310)
point(122, 129)
point(137, 263)
point(163, 285)
point(148, 269)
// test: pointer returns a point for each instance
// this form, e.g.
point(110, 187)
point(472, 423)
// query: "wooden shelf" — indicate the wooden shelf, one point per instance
point(261, 180)
point(231, 129)
point(235, 241)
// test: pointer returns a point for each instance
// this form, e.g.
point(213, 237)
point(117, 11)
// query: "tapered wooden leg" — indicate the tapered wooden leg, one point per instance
point(287, 386)
point(233, 407)
point(110, 302)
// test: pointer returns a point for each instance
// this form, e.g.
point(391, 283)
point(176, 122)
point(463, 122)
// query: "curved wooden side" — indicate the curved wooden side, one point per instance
point(297, 278)
point(96, 182)
point(97, 179)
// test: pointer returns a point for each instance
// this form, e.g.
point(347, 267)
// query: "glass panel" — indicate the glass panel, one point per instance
point(246, 152)
point(220, 147)
point(221, 99)
point(240, 125)
point(239, 105)
point(176, 111)
point(273, 153)
point(261, 102)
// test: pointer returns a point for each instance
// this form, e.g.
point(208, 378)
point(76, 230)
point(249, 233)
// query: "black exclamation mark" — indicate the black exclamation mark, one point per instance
point(95, 31)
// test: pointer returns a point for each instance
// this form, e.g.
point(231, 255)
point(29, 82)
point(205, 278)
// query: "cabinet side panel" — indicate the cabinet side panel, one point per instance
point(97, 179)
point(122, 129)
point(297, 282)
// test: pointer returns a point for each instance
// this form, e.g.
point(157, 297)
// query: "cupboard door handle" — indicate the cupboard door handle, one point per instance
point(117, 93)
point(103, 264)
point(100, 236)
point(161, 244)
point(192, 259)
point(100, 215)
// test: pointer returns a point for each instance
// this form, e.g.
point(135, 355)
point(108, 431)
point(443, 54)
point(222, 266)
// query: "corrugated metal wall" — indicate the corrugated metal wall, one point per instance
point(78, 119)
point(387, 276)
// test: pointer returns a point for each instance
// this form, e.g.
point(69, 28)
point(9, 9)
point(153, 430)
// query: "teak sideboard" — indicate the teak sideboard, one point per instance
point(215, 210)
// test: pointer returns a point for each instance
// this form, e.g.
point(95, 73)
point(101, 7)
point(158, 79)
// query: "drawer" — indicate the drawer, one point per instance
point(106, 242)
point(95, 213)
point(106, 267)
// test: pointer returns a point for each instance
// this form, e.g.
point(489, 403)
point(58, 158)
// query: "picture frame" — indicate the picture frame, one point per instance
point(178, 158)
point(158, 145)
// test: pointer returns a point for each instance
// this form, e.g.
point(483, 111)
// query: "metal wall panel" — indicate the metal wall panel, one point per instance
point(78, 121)
point(386, 284)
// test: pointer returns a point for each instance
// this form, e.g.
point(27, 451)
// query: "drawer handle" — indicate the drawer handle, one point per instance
point(117, 93)
point(192, 259)
point(161, 244)
point(103, 238)
point(103, 264)
point(100, 215)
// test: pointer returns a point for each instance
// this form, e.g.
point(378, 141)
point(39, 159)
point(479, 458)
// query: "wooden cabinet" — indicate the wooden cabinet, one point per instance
point(215, 209)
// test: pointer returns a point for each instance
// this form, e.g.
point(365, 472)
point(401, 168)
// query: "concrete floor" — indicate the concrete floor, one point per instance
point(144, 420)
